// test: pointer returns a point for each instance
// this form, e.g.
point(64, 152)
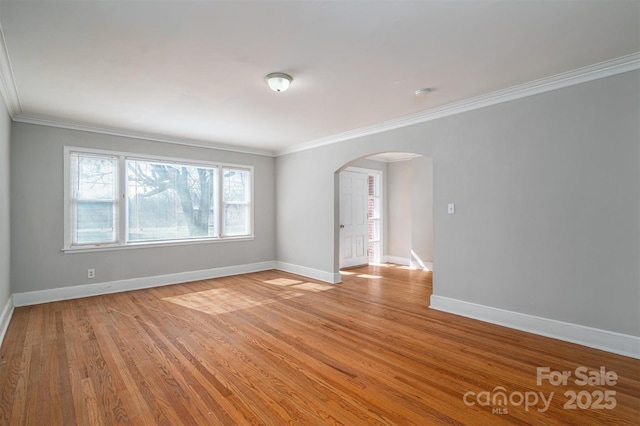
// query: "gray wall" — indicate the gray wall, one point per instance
point(37, 215)
point(422, 211)
point(400, 184)
point(411, 210)
point(547, 194)
point(5, 226)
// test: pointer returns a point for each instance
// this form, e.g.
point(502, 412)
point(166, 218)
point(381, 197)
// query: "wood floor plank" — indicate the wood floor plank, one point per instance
point(272, 348)
point(20, 386)
point(14, 368)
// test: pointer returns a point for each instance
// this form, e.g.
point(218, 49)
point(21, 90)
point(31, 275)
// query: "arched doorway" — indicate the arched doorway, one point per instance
point(398, 211)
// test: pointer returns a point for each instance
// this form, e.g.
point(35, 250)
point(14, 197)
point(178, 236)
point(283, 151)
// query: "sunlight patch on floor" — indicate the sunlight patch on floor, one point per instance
point(375, 277)
point(224, 300)
point(282, 282)
point(315, 287)
point(297, 284)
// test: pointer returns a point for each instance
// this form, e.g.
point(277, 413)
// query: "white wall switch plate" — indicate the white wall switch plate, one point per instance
point(451, 208)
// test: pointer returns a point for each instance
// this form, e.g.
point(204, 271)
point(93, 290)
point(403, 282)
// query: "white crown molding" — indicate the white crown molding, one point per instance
point(610, 341)
point(559, 81)
point(8, 87)
point(63, 124)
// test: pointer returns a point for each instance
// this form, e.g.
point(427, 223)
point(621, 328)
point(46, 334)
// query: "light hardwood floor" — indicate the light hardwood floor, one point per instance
point(274, 348)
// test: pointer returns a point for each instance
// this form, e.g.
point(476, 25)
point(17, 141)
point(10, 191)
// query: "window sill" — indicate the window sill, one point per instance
point(90, 248)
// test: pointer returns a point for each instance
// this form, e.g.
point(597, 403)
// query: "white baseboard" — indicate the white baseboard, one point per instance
point(618, 343)
point(75, 292)
point(5, 318)
point(405, 261)
point(428, 266)
point(316, 274)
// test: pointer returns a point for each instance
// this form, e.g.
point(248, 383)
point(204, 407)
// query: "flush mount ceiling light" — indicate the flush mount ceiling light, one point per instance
point(278, 81)
point(424, 92)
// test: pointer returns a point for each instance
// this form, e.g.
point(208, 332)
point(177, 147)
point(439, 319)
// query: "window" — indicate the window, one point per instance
point(374, 218)
point(170, 201)
point(236, 200)
point(114, 199)
point(94, 198)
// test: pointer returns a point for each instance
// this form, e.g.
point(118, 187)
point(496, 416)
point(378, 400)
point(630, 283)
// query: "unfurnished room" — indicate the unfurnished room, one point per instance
point(321, 212)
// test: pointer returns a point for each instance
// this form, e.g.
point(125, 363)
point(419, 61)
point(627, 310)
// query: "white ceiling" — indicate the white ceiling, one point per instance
point(195, 70)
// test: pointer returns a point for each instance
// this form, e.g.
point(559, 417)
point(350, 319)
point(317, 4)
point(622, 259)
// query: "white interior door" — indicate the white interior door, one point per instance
point(354, 238)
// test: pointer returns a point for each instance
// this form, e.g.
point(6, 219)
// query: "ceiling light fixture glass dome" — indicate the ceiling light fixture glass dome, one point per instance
point(278, 81)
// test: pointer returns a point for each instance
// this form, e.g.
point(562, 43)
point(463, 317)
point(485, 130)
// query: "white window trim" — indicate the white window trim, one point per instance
point(121, 219)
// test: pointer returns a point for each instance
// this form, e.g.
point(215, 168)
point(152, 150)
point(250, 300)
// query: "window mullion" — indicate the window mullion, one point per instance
point(121, 219)
point(220, 201)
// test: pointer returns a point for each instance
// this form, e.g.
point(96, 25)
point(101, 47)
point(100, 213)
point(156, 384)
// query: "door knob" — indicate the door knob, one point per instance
point(341, 226)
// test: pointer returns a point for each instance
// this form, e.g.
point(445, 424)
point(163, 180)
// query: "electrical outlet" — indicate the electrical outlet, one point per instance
point(91, 273)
